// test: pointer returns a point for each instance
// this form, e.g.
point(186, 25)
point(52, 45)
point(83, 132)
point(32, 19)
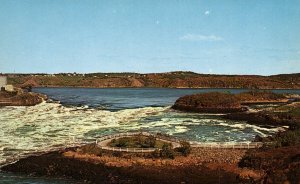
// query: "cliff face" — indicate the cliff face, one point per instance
point(171, 80)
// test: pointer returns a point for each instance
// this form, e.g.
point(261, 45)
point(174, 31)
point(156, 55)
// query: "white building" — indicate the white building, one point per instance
point(3, 81)
point(3, 84)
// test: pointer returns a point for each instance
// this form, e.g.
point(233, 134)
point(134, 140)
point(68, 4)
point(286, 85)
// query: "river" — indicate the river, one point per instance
point(78, 115)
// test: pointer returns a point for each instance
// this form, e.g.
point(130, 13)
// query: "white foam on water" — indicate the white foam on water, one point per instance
point(181, 129)
point(255, 128)
point(43, 126)
point(47, 125)
point(164, 122)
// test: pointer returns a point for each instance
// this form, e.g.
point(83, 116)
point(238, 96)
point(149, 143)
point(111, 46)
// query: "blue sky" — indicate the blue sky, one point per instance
point(212, 36)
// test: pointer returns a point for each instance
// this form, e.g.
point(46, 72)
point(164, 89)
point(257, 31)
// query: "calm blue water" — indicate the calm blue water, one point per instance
point(86, 113)
point(9, 178)
point(124, 98)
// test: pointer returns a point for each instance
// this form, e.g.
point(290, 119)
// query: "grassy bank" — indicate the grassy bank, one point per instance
point(157, 80)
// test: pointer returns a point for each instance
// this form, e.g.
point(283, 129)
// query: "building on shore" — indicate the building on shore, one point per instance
point(3, 84)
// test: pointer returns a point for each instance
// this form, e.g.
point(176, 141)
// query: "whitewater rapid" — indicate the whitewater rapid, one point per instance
point(52, 125)
point(41, 127)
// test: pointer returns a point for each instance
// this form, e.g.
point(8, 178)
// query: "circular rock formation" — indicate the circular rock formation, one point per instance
point(213, 102)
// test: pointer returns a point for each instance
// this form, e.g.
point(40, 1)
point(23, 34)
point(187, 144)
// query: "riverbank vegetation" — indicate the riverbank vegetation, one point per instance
point(260, 97)
point(177, 79)
point(81, 164)
point(279, 158)
point(138, 141)
point(280, 165)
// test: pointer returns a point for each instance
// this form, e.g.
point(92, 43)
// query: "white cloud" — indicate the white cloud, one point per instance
point(197, 37)
point(207, 12)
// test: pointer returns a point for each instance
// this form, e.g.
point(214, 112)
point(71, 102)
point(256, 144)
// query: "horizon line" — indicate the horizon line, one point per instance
point(147, 73)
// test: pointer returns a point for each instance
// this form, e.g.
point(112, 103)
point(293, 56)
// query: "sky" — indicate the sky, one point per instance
point(145, 36)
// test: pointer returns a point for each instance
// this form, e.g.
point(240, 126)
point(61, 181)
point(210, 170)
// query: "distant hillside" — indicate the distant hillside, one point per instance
point(157, 80)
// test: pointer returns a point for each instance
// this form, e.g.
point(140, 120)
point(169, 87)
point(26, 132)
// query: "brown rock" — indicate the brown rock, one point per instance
point(209, 103)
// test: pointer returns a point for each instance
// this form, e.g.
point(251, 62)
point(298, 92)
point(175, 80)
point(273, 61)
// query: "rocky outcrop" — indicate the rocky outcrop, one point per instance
point(115, 168)
point(20, 98)
point(216, 102)
point(261, 97)
point(262, 118)
point(209, 103)
point(284, 115)
point(281, 165)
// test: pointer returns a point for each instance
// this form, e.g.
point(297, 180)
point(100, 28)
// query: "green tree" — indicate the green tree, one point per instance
point(150, 141)
point(167, 151)
point(185, 148)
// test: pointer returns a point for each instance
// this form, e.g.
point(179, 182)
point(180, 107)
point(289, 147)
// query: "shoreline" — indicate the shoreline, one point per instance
point(21, 98)
point(178, 79)
point(183, 88)
point(206, 164)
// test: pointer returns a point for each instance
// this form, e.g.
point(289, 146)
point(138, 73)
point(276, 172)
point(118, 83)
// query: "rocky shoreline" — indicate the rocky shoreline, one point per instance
point(215, 102)
point(21, 98)
point(201, 165)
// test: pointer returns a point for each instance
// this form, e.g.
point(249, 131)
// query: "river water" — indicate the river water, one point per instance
point(79, 115)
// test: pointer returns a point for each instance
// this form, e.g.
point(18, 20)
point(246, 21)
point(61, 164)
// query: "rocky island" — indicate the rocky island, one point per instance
point(216, 102)
point(209, 103)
